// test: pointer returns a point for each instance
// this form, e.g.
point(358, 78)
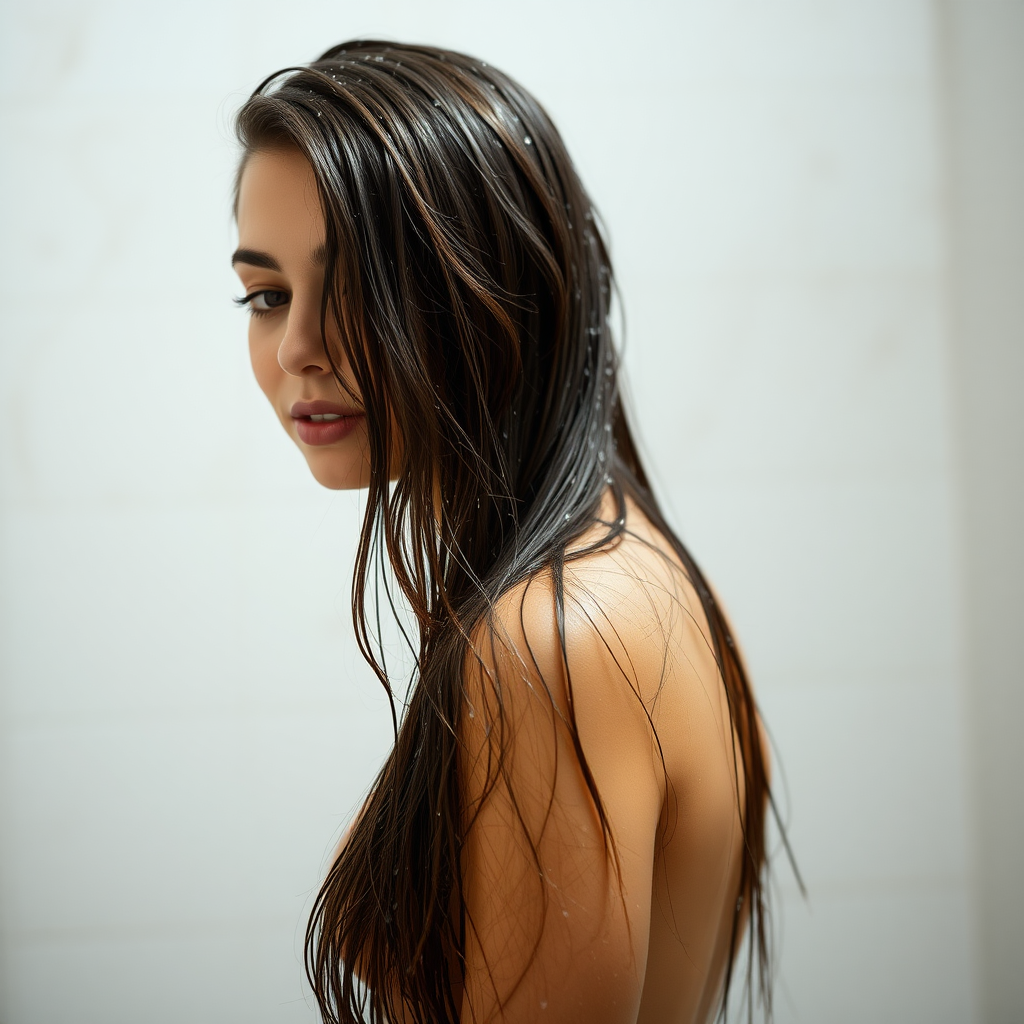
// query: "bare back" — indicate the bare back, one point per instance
point(554, 928)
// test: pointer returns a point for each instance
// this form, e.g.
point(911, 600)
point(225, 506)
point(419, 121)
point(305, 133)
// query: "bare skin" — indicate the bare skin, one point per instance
point(567, 943)
point(654, 950)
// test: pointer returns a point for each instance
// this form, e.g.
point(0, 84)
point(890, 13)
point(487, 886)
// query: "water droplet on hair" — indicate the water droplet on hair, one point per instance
point(600, 456)
point(437, 103)
point(607, 371)
point(528, 140)
point(472, 713)
point(567, 516)
point(586, 371)
point(378, 59)
point(593, 331)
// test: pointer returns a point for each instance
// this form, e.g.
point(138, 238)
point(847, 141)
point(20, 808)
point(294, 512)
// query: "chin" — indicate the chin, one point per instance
point(338, 474)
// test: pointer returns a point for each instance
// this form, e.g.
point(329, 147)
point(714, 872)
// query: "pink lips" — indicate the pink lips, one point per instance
point(328, 431)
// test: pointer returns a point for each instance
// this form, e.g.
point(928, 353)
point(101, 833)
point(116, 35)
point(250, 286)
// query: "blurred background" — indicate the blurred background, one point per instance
point(816, 209)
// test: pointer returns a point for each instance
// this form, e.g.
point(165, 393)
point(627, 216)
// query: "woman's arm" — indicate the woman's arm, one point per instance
point(555, 930)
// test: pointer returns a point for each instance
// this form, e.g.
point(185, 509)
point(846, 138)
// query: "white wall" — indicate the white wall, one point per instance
point(185, 723)
point(983, 65)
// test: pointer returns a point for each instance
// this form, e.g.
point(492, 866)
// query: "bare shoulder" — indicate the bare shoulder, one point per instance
point(634, 650)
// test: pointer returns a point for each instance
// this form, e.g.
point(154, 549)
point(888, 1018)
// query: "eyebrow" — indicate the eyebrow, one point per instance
point(256, 258)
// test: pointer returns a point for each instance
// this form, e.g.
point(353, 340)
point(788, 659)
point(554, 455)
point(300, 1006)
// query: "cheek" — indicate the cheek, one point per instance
point(263, 357)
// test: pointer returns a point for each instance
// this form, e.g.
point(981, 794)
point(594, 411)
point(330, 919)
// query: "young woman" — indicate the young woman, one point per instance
point(570, 827)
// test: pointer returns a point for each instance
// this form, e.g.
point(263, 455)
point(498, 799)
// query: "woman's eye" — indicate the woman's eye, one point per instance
point(264, 302)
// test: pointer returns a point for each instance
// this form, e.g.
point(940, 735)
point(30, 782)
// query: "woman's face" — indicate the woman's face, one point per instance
point(280, 263)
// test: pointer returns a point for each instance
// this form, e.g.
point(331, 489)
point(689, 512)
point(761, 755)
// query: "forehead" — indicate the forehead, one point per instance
point(278, 203)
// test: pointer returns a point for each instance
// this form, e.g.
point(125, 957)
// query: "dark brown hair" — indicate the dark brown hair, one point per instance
point(470, 286)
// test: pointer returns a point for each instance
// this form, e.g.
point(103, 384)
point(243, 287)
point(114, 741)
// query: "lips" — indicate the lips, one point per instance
point(319, 423)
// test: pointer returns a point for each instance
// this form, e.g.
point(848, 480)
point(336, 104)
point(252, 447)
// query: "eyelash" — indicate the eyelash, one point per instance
point(246, 301)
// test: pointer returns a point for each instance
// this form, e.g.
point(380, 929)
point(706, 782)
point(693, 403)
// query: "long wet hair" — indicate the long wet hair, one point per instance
point(470, 288)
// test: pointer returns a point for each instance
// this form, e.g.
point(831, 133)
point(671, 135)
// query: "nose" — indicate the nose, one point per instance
point(301, 351)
